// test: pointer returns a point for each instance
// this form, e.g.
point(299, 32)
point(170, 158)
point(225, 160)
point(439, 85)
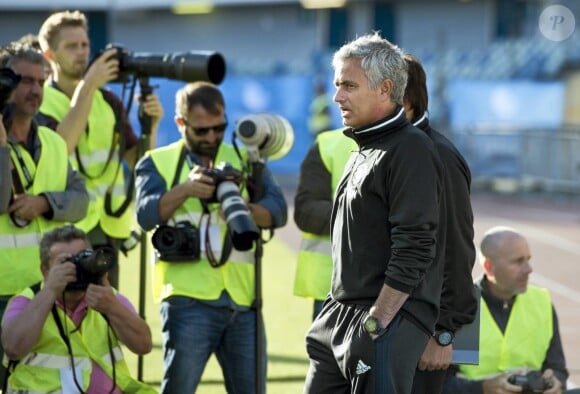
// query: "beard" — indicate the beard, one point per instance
point(75, 72)
point(203, 149)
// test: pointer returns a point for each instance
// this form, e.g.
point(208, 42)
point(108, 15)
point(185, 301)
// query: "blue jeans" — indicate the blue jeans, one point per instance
point(193, 330)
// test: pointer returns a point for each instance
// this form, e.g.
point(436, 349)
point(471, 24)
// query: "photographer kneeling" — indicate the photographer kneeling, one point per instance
point(206, 288)
point(74, 318)
point(518, 328)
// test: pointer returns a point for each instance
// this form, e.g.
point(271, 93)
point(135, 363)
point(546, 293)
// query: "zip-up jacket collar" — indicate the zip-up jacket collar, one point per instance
point(422, 122)
point(376, 130)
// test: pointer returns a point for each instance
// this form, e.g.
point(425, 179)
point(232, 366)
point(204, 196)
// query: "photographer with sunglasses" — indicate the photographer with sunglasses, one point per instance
point(206, 305)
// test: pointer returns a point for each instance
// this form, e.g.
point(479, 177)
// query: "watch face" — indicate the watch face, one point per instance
point(371, 325)
point(444, 338)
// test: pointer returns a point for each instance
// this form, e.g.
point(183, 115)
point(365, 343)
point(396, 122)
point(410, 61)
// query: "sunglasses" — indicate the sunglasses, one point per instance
point(201, 131)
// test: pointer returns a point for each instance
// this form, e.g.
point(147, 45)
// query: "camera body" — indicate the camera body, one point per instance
point(91, 265)
point(241, 226)
point(177, 243)
point(222, 172)
point(532, 382)
point(8, 82)
point(182, 66)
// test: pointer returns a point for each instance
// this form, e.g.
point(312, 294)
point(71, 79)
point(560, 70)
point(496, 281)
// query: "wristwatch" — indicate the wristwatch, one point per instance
point(443, 337)
point(372, 325)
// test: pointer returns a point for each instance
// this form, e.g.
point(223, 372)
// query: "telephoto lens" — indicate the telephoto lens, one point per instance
point(269, 134)
point(239, 220)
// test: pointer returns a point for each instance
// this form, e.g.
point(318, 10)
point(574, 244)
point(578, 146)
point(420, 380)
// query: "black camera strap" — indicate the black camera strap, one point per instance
point(180, 163)
point(16, 181)
point(82, 168)
point(131, 182)
point(227, 242)
point(66, 340)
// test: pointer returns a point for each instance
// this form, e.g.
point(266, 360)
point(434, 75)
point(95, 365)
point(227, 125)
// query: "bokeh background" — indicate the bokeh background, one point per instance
point(503, 75)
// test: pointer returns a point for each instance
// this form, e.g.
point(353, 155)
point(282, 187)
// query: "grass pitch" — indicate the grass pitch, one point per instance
point(286, 318)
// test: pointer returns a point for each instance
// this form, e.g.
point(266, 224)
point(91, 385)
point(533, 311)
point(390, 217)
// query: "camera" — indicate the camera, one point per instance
point(8, 82)
point(220, 173)
point(240, 224)
point(183, 66)
point(532, 382)
point(91, 265)
point(177, 243)
point(265, 135)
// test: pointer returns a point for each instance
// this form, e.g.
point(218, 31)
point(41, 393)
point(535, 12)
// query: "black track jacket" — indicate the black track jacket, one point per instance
point(458, 303)
point(385, 219)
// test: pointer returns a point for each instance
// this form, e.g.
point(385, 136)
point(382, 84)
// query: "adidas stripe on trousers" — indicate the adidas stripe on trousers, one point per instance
point(344, 358)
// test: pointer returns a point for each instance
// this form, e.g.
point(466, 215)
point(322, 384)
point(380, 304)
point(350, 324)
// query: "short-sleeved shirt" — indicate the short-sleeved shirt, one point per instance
point(100, 381)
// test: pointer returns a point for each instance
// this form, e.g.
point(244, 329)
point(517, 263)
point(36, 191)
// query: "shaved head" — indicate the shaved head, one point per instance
point(505, 258)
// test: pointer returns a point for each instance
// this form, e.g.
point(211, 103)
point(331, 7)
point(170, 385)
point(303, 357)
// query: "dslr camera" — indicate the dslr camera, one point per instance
point(532, 382)
point(8, 82)
point(241, 226)
point(223, 172)
point(182, 66)
point(177, 243)
point(91, 265)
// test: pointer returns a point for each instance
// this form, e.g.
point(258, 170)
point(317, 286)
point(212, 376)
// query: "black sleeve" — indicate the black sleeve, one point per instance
point(555, 355)
point(5, 179)
point(313, 200)
point(413, 182)
point(458, 301)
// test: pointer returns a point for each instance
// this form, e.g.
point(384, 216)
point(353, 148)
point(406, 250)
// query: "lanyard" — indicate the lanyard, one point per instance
point(23, 167)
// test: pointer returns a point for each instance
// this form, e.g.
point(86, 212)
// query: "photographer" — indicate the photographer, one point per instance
point(320, 172)
point(206, 306)
point(39, 190)
point(532, 341)
point(94, 124)
point(42, 331)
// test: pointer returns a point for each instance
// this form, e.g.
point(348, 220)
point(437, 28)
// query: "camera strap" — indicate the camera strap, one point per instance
point(131, 181)
point(66, 341)
point(227, 242)
point(179, 168)
point(16, 181)
point(84, 171)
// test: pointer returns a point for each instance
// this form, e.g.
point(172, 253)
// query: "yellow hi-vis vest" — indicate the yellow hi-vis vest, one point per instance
point(39, 371)
point(314, 268)
point(526, 339)
point(19, 253)
point(198, 279)
point(319, 119)
point(94, 149)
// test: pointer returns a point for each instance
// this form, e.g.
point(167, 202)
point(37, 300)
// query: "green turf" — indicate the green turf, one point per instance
point(286, 319)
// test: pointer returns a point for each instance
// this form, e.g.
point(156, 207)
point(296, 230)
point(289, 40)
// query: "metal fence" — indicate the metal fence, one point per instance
point(523, 160)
